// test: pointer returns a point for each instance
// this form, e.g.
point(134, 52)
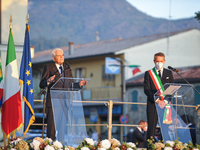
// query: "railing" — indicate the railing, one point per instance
point(109, 124)
point(110, 107)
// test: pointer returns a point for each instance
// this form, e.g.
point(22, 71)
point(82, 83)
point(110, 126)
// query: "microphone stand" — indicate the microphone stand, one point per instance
point(43, 91)
point(187, 82)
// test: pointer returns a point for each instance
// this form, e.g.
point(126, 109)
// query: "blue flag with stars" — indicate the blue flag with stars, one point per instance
point(26, 80)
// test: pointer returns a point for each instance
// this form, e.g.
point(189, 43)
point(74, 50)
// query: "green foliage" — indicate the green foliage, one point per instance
point(176, 145)
point(197, 15)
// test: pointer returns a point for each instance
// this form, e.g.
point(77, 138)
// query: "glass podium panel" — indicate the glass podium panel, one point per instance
point(171, 124)
point(68, 111)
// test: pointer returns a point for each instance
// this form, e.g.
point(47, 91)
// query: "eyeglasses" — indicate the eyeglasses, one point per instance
point(60, 55)
point(159, 61)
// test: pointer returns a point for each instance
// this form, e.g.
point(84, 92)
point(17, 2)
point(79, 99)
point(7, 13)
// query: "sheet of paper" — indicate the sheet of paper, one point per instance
point(171, 90)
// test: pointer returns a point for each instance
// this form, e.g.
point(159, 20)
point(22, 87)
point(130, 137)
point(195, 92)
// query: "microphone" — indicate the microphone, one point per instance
point(68, 66)
point(173, 69)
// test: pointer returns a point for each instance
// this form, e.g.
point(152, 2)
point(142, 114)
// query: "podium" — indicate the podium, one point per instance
point(171, 124)
point(68, 111)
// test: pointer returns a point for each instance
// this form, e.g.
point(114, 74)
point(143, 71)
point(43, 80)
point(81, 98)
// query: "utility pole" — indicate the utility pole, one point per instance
point(169, 27)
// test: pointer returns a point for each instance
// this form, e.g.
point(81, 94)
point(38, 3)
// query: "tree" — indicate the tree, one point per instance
point(197, 15)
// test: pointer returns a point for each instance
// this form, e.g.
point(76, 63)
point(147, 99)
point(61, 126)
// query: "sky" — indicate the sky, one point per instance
point(160, 8)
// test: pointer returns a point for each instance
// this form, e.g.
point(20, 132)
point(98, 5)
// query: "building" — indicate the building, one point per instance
point(181, 50)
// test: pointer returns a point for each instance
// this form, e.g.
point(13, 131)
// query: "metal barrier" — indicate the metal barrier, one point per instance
point(110, 107)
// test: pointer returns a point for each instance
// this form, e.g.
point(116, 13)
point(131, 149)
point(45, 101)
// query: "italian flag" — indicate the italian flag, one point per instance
point(135, 69)
point(1, 87)
point(11, 119)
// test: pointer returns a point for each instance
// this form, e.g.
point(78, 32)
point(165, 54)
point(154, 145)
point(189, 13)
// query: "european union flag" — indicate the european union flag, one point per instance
point(26, 79)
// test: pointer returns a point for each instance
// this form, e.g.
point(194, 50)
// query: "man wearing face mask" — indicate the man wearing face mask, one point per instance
point(153, 80)
point(129, 136)
point(140, 135)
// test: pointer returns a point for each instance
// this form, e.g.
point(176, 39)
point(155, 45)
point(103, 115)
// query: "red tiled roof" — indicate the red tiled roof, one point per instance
point(188, 73)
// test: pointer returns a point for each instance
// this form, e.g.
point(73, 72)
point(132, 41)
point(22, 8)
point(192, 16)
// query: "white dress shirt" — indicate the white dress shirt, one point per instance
point(57, 65)
point(161, 71)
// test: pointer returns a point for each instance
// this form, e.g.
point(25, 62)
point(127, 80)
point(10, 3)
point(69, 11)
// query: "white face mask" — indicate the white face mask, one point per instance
point(131, 130)
point(159, 65)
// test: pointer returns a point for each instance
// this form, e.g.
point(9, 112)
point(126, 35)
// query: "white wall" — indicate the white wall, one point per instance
point(184, 50)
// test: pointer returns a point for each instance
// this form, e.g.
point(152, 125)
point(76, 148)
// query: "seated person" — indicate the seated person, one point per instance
point(140, 135)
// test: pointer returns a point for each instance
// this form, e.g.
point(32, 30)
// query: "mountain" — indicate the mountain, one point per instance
point(54, 23)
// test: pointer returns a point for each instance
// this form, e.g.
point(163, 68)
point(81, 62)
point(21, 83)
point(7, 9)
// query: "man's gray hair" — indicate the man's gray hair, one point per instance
point(54, 51)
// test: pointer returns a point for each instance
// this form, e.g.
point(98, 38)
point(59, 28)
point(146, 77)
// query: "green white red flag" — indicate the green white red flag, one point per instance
point(11, 119)
point(135, 69)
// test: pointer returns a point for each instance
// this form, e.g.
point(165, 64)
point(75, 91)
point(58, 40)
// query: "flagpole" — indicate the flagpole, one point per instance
point(10, 26)
point(14, 134)
point(25, 78)
point(27, 20)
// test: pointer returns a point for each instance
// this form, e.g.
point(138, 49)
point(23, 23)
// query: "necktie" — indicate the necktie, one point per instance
point(159, 73)
point(60, 69)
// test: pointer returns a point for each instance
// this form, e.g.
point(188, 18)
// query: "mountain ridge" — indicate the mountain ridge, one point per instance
point(55, 23)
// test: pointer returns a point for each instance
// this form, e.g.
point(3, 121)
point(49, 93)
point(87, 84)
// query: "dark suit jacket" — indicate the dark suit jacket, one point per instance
point(129, 137)
point(193, 133)
point(50, 70)
point(150, 89)
point(140, 138)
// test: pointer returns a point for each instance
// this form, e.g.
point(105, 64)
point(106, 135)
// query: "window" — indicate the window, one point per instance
point(197, 96)
point(134, 99)
point(78, 73)
point(107, 79)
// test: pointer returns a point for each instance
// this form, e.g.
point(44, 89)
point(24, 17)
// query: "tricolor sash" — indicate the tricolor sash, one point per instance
point(157, 82)
point(167, 119)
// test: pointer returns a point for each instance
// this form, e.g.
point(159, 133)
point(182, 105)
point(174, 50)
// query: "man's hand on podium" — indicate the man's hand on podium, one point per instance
point(161, 103)
point(82, 83)
point(51, 79)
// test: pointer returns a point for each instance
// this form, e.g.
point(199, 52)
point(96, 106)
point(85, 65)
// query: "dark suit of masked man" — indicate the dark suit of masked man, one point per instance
point(150, 89)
